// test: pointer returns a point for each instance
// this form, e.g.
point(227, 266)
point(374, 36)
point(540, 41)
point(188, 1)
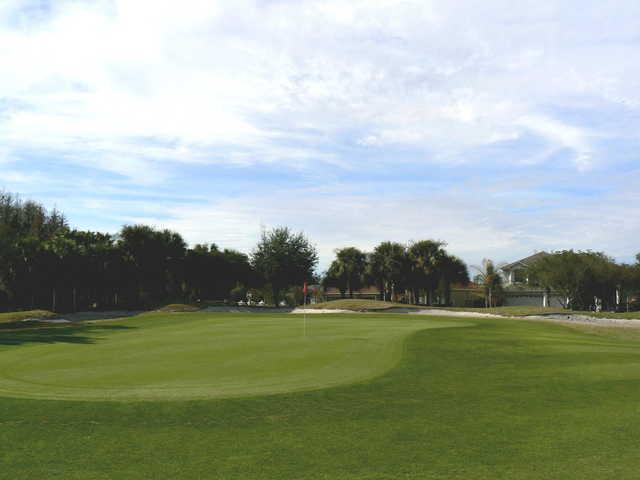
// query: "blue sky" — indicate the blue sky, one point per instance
point(499, 130)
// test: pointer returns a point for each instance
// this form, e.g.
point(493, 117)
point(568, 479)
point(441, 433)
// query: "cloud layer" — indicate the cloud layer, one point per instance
point(499, 129)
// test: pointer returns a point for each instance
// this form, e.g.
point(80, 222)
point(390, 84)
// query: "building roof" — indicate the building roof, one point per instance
point(524, 262)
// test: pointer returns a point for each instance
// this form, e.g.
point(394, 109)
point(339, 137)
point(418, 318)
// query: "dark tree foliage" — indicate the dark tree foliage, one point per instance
point(347, 271)
point(213, 274)
point(156, 261)
point(582, 277)
point(333, 278)
point(44, 264)
point(452, 271)
point(284, 259)
point(389, 266)
point(30, 250)
point(421, 270)
point(426, 261)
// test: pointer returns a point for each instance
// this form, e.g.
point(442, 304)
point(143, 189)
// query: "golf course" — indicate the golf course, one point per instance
point(357, 396)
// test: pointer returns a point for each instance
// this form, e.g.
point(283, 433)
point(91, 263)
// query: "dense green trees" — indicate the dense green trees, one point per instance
point(419, 272)
point(347, 271)
point(156, 260)
point(388, 266)
point(31, 249)
point(587, 279)
point(426, 261)
point(452, 271)
point(284, 258)
point(211, 273)
point(45, 264)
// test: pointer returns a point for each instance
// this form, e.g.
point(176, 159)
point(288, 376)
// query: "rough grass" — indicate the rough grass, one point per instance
point(178, 308)
point(29, 314)
point(358, 305)
point(511, 311)
point(377, 305)
point(499, 399)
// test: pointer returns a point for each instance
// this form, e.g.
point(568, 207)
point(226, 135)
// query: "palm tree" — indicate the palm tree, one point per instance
point(489, 277)
point(334, 277)
point(350, 265)
point(453, 270)
point(388, 266)
point(425, 262)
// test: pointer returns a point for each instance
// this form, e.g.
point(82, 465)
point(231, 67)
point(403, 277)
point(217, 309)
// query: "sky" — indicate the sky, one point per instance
point(502, 128)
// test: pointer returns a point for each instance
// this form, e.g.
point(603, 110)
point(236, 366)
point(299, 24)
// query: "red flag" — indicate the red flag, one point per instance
point(304, 289)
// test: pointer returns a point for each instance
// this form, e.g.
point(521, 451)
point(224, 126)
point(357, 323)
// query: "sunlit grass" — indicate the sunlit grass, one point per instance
point(495, 399)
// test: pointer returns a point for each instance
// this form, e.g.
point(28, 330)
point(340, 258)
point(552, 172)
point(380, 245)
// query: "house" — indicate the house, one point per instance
point(521, 290)
point(515, 273)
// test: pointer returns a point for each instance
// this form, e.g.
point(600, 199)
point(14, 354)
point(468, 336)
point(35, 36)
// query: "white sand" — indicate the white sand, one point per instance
point(558, 318)
point(46, 320)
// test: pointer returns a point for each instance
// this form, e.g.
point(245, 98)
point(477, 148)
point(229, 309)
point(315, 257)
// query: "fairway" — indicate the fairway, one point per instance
point(363, 396)
point(191, 356)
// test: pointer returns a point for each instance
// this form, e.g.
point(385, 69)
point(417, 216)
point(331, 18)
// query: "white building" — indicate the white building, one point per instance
point(515, 273)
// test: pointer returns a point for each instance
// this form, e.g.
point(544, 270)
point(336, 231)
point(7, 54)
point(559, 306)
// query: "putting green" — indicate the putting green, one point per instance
point(200, 355)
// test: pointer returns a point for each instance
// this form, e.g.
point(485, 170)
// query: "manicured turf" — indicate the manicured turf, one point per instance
point(495, 399)
point(189, 356)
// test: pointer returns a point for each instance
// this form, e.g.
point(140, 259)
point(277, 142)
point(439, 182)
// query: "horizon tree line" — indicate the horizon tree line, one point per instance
point(44, 263)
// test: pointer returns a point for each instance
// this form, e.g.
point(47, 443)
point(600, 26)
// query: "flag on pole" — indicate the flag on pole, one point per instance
point(305, 289)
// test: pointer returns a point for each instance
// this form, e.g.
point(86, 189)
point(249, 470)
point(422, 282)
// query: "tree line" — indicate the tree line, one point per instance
point(46, 264)
point(420, 272)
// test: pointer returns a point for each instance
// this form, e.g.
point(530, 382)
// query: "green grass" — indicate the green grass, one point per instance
point(494, 399)
point(202, 355)
point(20, 316)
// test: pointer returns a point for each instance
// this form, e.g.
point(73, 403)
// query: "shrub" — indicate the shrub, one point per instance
point(178, 307)
point(237, 293)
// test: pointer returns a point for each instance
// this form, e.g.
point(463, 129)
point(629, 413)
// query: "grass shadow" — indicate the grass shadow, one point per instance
point(26, 332)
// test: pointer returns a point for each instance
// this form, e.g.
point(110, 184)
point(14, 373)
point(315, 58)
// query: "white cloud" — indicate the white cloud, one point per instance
point(476, 221)
point(142, 88)
point(561, 136)
point(437, 75)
